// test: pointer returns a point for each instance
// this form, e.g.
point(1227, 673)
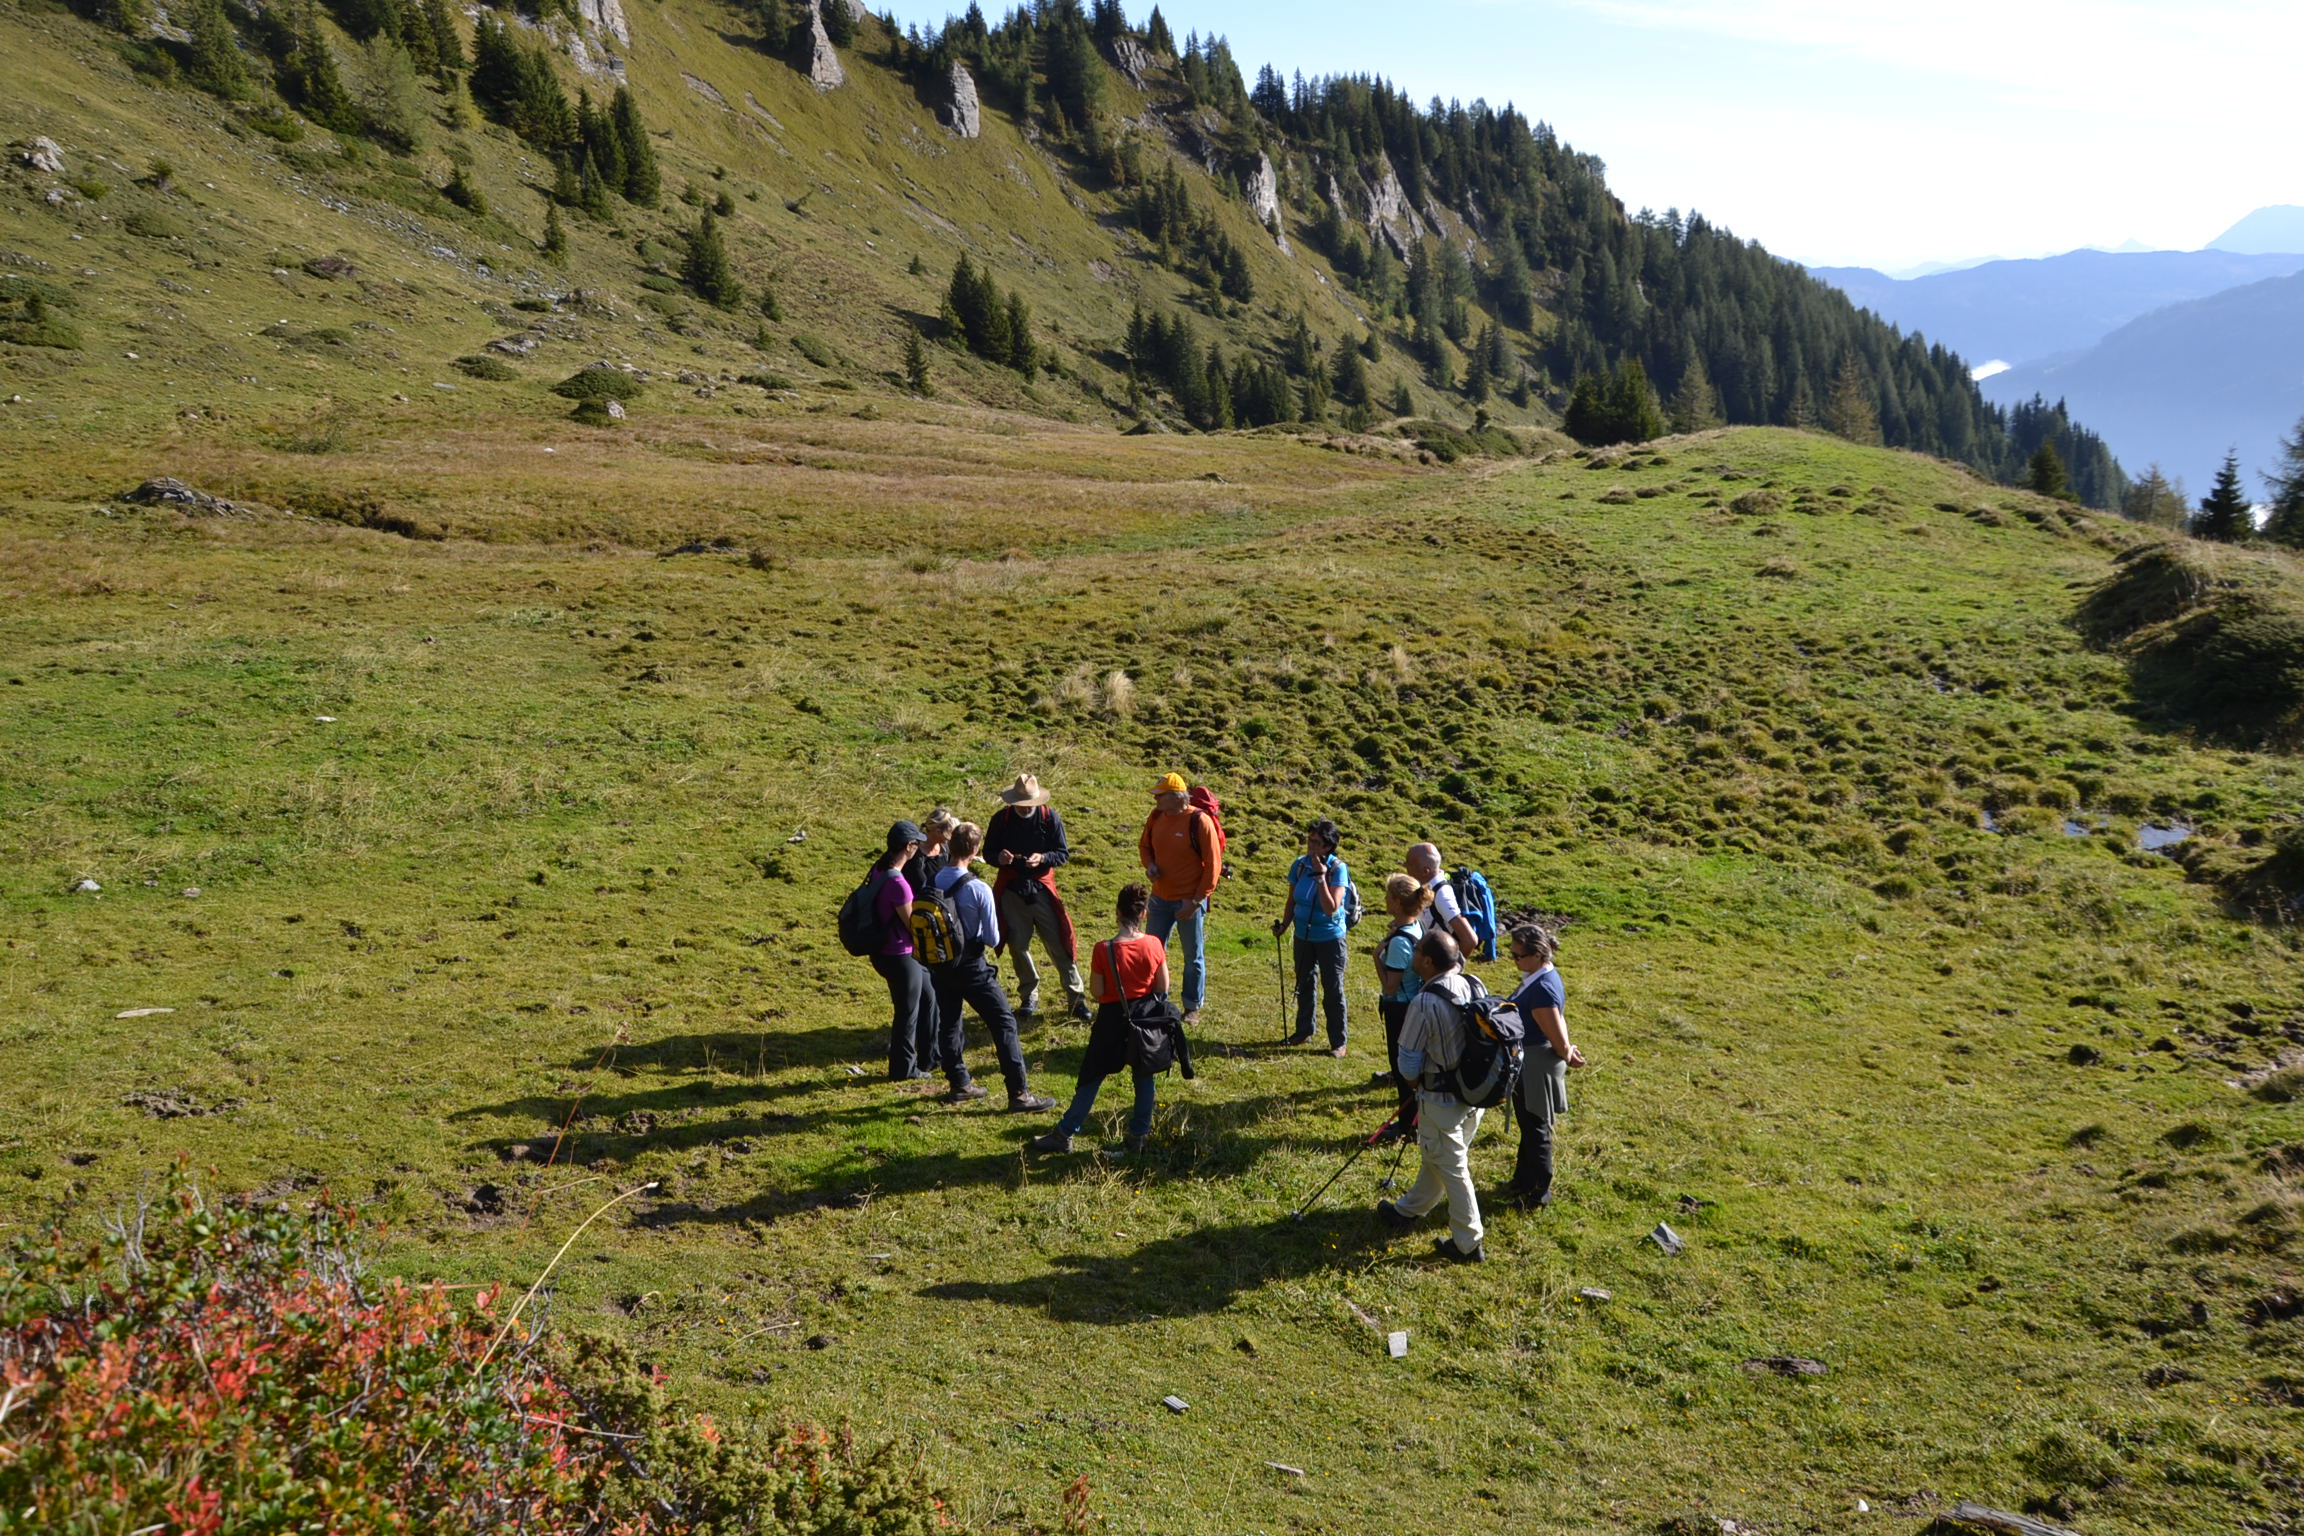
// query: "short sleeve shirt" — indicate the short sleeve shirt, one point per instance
point(1304, 884)
point(1399, 954)
point(895, 895)
point(1542, 990)
point(1139, 960)
point(1445, 908)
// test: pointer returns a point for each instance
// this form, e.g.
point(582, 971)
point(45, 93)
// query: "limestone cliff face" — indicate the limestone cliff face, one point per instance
point(1264, 198)
point(963, 112)
point(606, 16)
point(824, 71)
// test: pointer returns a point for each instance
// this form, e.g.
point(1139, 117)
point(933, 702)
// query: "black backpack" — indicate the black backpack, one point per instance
point(1495, 1039)
point(861, 931)
point(1155, 1030)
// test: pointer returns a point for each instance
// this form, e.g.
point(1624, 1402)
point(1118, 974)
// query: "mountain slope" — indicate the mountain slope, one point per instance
point(2184, 384)
point(2026, 311)
point(2279, 228)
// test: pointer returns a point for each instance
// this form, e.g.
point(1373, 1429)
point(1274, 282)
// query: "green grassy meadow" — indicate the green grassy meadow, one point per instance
point(1964, 1113)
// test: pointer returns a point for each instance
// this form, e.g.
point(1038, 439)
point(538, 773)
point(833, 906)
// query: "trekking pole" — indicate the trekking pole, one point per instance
point(1298, 1213)
point(1280, 976)
point(1392, 1175)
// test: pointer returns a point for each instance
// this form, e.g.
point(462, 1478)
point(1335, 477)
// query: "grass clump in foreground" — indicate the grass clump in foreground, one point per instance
point(1870, 964)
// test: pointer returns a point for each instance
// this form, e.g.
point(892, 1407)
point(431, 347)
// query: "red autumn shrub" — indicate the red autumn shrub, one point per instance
point(227, 1369)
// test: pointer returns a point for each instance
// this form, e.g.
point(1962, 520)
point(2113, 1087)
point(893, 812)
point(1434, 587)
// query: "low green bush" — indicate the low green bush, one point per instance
point(493, 370)
point(599, 384)
point(813, 349)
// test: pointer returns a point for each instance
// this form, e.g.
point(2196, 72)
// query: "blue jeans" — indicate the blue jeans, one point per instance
point(1084, 1100)
point(1190, 922)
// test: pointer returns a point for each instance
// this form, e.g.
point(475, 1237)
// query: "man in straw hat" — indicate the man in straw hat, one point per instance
point(1025, 843)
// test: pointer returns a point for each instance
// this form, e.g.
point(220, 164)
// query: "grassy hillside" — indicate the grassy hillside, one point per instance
point(1955, 1108)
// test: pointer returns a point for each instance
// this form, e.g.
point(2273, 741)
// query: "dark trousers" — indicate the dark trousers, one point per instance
point(1396, 1015)
point(1542, 1094)
point(912, 1029)
point(1326, 956)
point(972, 983)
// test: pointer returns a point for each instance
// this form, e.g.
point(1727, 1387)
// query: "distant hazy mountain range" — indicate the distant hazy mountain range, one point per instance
point(2023, 311)
point(2183, 384)
point(2173, 356)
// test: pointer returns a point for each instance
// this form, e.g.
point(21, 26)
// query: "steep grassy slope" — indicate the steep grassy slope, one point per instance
point(1955, 1107)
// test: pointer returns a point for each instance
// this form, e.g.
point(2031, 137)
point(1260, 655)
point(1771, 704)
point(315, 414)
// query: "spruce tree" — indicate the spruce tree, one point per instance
point(1023, 355)
point(1158, 40)
point(555, 235)
point(312, 79)
point(775, 25)
point(592, 188)
point(1351, 377)
point(706, 268)
point(2285, 487)
point(2045, 475)
point(643, 182)
point(1848, 410)
point(447, 48)
point(2224, 514)
point(216, 65)
point(1403, 402)
point(839, 21)
point(916, 364)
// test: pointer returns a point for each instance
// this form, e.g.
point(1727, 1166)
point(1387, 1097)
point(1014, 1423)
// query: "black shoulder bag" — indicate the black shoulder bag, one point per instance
point(1155, 1030)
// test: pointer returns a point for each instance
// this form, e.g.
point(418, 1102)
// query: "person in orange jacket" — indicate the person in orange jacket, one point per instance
point(1183, 855)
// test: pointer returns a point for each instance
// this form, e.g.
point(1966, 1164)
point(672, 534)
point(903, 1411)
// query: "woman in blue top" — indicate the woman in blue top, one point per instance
point(1543, 1002)
point(1408, 901)
point(1316, 886)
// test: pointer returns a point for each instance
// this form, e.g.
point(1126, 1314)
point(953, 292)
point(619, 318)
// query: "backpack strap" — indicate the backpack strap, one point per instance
point(1112, 968)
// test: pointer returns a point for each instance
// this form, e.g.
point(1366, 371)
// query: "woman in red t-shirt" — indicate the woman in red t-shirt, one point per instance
point(1126, 966)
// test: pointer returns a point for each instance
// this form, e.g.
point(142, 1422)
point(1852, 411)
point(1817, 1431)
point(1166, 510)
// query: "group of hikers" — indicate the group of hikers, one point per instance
point(931, 927)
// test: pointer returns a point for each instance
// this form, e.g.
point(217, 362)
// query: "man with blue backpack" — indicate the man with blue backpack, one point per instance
point(1463, 907)
point(1462, 1046)
point(1322, 906)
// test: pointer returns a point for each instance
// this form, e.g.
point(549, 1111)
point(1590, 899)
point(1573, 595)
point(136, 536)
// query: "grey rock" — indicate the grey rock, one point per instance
point(166, 491)
point(963, 112)
point(1264, 198)
point(1174, 1404)
point(616, 410)
point(607, 16)
point(1784, 1365)
point(513, 346)
point(86, 887)
point(1668, 1240)
point(56, 197)
point(46, 156)
point(1130, 57)
point(824, 71)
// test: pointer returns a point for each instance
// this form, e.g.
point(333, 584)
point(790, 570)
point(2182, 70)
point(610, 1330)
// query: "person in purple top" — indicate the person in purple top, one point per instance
point(912, 1030)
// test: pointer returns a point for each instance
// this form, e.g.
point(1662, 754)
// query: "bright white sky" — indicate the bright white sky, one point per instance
point(1880, 133)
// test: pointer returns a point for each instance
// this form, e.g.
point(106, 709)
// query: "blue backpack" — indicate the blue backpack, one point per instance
point(1479, 905)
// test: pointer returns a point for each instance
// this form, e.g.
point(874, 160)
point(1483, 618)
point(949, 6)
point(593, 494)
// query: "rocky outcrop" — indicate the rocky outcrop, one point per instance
point(963, 112)
point(606, 16)
point(1384, 211)
point(167, 491)
point(1131, 59)
point(824, 71)
point(1264, 198)
point(45, 156)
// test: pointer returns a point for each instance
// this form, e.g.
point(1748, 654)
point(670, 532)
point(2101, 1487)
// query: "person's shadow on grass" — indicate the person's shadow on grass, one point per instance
point(1190, 1274)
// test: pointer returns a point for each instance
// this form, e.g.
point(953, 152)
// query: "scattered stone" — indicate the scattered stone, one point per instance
point(324, 719)
point(330, 267)
point(615, 409)
point(824, 71)
point(1396, 1344)
point(1667, 1239)
point(1174, 1404)
point(1594, 1293)
point(141, 1013)
point(178, 1104)
point(86, 887)
point(513, 346)
point(190, 893)
point(46, 156)
point(1784, 1365)
point(1281, 1466)
point(167, 491)
point(1984, 1517)
point(963, 111)
point(705, 89)
point(1363, 1316)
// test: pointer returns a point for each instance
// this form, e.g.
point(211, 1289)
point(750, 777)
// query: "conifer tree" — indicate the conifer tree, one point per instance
point(916, 364)
point(1158, 40)
point(2285, 487)
point(447, 48)
point(839, 21)
point(2045, 475)
point(1351, 377)
point(775, 25)
point(643, 182)
point(216, 65)
point(1695, 407)
point(309, 78)
point(1023, 355)
point(592, 187)
point(2154, 499)
point(555, 235)
point(2224, 514)
point(706, 268)
point(1403, 402)
point(1848, 410)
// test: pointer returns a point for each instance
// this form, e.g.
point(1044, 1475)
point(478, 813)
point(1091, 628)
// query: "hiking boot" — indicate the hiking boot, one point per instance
point(1028, 1008)
point(1130, 1146)
point(1080, 1013)
point(1054, 1141)
point(1392, 1216)
point(1381, 1080)
point(1029, 1103)
point(1447, 1249)
point(1336, 1051)
point(964, 1093)
point(1192, 1018)
point(1301, 1037)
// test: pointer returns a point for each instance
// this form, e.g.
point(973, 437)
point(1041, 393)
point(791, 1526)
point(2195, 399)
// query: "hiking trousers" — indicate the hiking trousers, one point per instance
point(1020, 920)
point(1395, 1015)
point(1444, 1131)
point(1543, 1094)
point(1325, 957)
point(971, 983)
point(912, 1029)
point(1188, 920)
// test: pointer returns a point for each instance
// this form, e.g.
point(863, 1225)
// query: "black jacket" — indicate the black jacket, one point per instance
point(1024, 833)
